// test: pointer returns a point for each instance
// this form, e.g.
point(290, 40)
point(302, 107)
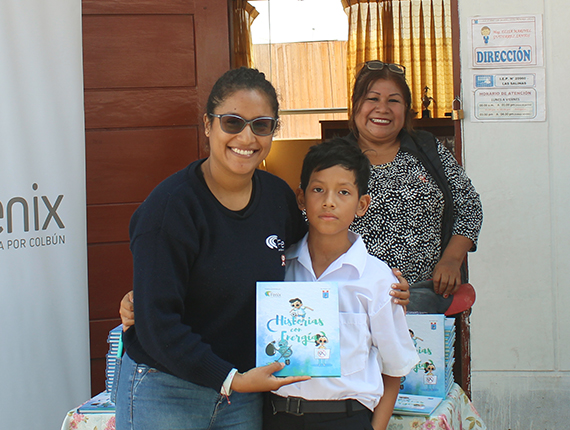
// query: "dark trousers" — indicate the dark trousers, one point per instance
point(359, 420)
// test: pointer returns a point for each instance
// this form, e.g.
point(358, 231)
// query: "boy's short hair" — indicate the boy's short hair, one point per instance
point(337, 152)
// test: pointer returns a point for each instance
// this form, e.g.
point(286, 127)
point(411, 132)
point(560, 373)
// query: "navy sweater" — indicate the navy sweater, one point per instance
point(195, 268)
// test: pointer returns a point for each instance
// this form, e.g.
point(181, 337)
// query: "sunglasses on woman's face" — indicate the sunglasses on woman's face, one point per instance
point(234, 124)
point(379, 65)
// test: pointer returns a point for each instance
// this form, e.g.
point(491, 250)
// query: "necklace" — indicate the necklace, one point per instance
point(384, 166)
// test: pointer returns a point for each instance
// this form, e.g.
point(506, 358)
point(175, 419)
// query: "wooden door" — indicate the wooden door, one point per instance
point(148, 68)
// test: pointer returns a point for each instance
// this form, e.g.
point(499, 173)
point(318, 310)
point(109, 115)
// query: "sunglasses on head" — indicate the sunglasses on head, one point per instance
point(379, 65)
point(234, 124)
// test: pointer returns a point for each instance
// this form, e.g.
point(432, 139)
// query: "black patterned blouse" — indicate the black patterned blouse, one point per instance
point(403, 224)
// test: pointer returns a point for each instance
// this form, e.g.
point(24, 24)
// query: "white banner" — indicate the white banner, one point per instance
point(43, 253)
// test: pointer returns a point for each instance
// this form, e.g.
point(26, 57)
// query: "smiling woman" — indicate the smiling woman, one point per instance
point(199, 244)
point(425, 214)
point(235, 155)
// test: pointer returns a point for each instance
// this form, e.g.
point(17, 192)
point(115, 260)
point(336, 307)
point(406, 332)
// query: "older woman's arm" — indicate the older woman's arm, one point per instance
point(468, 217)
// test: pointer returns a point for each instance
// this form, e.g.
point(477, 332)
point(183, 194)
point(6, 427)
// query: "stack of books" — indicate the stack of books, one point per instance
point(115, 349)
point(101, 403)
point(428, 383)
point(449, 352)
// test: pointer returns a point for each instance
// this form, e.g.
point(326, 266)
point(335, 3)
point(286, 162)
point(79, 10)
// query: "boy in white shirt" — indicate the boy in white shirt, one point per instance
point(376, 349)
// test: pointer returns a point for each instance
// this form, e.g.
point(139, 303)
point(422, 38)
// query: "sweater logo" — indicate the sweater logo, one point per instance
point(273, 242)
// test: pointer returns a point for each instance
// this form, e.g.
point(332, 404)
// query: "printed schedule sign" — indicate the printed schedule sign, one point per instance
point(505, 95)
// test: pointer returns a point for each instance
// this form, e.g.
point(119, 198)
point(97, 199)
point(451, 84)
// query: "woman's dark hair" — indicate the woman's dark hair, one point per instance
point(337, 152)
point(242, 79)
point(365, 78)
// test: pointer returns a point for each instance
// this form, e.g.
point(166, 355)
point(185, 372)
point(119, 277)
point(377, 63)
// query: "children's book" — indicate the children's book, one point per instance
point(298, 324)
point(408, 404)
point(429, 381)
point(100, 404)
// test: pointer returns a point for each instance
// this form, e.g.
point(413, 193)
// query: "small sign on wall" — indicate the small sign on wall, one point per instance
point(504, 42)
point(508, 80)
point(505, 95)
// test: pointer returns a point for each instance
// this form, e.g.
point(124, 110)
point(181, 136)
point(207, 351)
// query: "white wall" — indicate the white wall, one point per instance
point(520, 323)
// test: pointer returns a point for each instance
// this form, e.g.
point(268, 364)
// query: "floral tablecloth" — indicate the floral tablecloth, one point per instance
point(456, 412)
point(75, 421)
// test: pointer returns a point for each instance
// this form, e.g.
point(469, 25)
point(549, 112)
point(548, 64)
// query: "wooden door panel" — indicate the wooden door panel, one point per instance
point(117, 7)
point(124, 166)
point(99, 331)
point(110, 277)
point(149, 66)
point(164, 107)
point(109, 223)
point(134, 51)
point(98, 366)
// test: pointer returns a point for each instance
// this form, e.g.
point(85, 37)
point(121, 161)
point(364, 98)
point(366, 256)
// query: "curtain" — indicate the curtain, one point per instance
point(414, 33)
point(243, 15)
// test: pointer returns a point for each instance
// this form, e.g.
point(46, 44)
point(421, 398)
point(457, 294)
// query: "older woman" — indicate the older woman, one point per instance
point(425, 213)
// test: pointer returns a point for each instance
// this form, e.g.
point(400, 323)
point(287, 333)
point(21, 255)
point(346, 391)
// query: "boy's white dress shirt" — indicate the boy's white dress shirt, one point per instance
point(374, 334)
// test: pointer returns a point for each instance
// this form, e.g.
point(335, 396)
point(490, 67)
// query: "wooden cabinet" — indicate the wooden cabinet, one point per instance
point(442, 128)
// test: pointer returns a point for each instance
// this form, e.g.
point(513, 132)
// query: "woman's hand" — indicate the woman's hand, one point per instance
point(446, 277)
point(447, 272)
point(261, 379)
point(127, 311)
point(400, 291)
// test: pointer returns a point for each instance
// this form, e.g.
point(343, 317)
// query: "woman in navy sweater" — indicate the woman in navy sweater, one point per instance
point(200, 241)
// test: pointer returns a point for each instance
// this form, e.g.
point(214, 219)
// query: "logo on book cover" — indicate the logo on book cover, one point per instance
point(322, 353)
point(326, 294)
point(433, 325)
point(270, 293)
point(429, 377)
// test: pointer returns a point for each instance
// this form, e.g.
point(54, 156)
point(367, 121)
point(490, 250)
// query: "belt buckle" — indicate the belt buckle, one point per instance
point(293, 407)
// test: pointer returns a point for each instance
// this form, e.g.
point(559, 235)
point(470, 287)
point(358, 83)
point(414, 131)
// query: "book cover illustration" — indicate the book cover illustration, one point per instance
point(298, 325)
point(429, 377)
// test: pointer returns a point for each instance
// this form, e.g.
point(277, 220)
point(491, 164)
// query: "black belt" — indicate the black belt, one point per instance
point(299, 406)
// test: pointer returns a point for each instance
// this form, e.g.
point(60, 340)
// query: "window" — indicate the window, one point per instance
point(301, 47)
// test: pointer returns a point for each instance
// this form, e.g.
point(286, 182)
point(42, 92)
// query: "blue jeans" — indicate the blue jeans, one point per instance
point(154, 400)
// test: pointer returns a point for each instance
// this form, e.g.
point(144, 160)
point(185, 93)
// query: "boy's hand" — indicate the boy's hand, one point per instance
point(127, 311)
point(400, 291)
point(261, 379)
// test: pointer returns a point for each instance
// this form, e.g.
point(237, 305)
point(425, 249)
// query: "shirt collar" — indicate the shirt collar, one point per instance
point(355, 256)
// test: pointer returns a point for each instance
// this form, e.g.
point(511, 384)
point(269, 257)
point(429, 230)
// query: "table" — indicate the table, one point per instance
point(456, 412)
point(75, 421)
